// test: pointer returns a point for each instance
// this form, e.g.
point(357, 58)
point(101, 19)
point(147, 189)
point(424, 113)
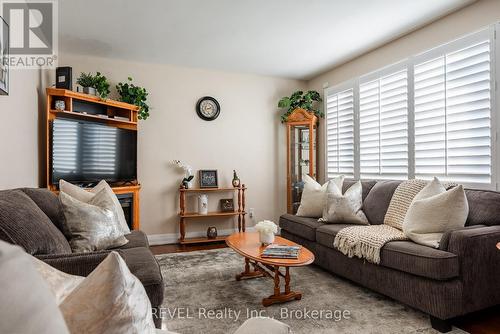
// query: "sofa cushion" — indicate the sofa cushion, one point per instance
point(144, 266)
point(405, 256)
point(419, 260)
point(377, 201)
point(302, 226)
point(49, 203)
point(24, 224)
point(136, 238)
point(326, 234)
point(484, 207)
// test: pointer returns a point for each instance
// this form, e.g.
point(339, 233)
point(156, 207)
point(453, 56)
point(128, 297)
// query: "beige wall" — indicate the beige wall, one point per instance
point(19, 114)
point(247, 136)
point(465, 21)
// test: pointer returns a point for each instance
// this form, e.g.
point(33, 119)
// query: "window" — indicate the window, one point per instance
point(430, 115)
point(383, 129)
point(340, 133)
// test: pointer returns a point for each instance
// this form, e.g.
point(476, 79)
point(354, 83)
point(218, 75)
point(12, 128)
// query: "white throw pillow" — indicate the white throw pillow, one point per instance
point(435, 211)
point(60, 283)
point(263, 325)
point(109, 300)
point(344, 208)
point(91, 226)
point(314, 196)
point(26, 304)
point(85, 196)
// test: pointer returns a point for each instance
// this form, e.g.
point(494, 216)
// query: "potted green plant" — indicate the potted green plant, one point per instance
point(135, 95)
point(94, 84)
point(299, 99)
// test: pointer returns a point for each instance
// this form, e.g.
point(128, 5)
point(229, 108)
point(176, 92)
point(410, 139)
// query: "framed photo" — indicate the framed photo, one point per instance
point(4, 56)
point(227, 205)
point(208, 179)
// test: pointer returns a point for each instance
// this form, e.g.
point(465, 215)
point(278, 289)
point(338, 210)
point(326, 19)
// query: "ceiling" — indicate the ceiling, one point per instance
point(286, 38)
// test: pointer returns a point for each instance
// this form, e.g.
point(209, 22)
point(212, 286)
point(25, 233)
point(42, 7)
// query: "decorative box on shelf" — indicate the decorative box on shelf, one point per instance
point(183, 214)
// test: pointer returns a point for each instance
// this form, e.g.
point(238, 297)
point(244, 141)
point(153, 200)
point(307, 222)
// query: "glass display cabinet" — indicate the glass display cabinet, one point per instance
point(301, 154)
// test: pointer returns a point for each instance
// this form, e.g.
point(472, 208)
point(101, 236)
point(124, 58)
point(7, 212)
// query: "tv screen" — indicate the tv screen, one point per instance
point(85, 152)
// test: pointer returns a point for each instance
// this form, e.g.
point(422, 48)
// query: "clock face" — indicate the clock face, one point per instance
point(208, 108)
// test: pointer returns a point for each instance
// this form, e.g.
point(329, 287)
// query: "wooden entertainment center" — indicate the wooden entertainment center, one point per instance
point(92, 109)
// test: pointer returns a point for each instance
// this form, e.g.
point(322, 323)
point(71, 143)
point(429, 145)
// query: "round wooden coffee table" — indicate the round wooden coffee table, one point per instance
point(247, 245)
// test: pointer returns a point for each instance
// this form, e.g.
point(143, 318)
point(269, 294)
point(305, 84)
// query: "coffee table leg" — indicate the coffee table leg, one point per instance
point(249, 273)
point(279, 297)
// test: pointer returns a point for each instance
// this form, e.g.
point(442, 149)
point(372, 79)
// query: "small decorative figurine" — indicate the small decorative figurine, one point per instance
point(212, 232)
point(236, 180)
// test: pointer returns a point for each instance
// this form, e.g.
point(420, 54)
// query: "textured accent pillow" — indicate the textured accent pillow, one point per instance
point(26, 306)
point(109, 300)
point(91, 226)
point(60, 283)
point(435, 211)
point(314, 196)
point(344, 208)
point(85, 196)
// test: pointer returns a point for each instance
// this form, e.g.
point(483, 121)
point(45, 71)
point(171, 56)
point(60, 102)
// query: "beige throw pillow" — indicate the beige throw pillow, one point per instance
point(314, 196)
point(85, 196)
point(60, 283)
point(109, 300)
point(435, 211)
point(91, 226)
point(344, 208)
point(26, 304)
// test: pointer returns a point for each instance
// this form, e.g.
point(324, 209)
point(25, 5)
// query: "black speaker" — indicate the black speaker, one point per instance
point(64, 78)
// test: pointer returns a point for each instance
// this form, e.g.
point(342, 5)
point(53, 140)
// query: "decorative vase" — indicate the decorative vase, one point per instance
point(236, 180)
point(90, 90)
point(60, 105)
point(266, 238)
point(202, 204)
point(212, 232)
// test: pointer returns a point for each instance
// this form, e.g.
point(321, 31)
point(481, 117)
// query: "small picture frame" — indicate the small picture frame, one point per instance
point(208, 178)
point(4, 57)
point(227, 205)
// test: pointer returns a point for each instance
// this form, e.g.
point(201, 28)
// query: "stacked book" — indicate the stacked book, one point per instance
point(281, 252)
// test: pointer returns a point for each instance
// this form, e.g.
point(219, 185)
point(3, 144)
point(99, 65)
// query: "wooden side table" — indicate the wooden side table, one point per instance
point(184, 215)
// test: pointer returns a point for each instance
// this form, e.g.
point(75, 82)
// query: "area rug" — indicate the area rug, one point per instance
point(202, 296)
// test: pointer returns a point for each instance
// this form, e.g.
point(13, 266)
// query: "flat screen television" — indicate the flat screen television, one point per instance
point(86, 152)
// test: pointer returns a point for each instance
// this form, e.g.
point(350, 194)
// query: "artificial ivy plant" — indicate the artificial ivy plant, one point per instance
point(98, 81)
point(299, 99)
point(136, 95)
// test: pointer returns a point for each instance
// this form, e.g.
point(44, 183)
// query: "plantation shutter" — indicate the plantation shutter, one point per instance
point(383, 117)
point(453, 115)
point(340, 133)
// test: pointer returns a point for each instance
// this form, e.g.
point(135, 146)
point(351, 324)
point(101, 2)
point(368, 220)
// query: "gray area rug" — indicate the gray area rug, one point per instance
point(202, 296)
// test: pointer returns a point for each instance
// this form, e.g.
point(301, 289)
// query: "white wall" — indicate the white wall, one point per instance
point(19, 113)
point(247, 136)
point(453, 26)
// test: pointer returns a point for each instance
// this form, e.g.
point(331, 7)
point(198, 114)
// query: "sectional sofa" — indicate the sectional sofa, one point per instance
point(460, 277)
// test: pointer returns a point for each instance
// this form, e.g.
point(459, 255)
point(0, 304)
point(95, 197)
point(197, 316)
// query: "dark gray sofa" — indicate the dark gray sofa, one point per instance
point(32, 219)
point(460, 277)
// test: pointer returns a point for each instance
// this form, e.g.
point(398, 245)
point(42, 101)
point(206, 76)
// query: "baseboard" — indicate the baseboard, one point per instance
point(173, 238)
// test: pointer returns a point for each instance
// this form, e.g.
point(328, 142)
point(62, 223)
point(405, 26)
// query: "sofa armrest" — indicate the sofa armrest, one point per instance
point(479, 261)
point(80, 264)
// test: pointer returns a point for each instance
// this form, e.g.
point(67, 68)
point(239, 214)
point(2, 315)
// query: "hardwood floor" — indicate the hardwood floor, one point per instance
point(483, 322)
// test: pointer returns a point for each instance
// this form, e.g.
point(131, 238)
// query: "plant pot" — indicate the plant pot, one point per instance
point(90, 90)
point(266, 238)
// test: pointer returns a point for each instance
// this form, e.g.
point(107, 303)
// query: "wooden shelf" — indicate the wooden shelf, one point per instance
point(77, 115)
point(188, 241)
point(211, 214)
point(198, 190)
point(90, 98)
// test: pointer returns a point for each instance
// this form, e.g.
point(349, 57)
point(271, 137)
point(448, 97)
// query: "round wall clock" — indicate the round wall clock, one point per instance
point(208, 108)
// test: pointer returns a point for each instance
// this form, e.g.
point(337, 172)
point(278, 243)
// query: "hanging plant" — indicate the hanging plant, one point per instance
point(136, 95)
point(299, 99)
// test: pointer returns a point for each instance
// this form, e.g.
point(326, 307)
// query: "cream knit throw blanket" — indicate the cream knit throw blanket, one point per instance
point(367, 241)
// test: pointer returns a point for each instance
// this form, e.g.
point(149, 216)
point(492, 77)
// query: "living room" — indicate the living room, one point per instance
point(326, 166)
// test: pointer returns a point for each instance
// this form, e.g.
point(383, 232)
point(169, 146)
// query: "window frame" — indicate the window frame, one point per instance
point(409, 64)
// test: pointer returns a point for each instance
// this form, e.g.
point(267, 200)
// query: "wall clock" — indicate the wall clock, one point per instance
point(208, 108)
